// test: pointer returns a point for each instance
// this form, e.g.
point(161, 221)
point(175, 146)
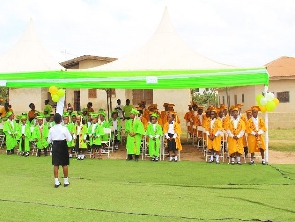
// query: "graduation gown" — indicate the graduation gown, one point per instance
point(255, 143)
point(177, 130)
point(41, 135)
point(133, 143)
point(154, 144)
point(105, 124)
point(27, 134)
point(214, 127)
point(236, 146)
point(119, 127)
point(10, 131)
point(96, 135)
point(70, 127)
point(82, 135)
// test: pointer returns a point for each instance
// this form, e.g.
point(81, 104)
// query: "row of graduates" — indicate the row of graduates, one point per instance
point(137, 127)
point(244, 133)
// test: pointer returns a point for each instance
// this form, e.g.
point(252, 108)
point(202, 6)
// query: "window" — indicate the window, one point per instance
point(243, 98)
point(77, 100)
point(236, 99)
point(223, 100)
point(283, 97)
point(92, 93)
point(142, 94)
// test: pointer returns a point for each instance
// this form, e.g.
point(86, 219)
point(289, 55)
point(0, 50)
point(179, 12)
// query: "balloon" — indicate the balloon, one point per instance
point(55, 98)
point(262, 108)
point(61, 92)
point(1, 100)
point(276, 101)
point(269, 96)
point(259, 97)
point(263, 101)
point(53, 90)
point(270, 105)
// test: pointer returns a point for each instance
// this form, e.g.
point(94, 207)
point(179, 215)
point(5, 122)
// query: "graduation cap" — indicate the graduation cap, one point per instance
point(200, 107)
point(165, 104)
point(102, 113)
point(239, 106)
point(94, 115)
point(134, 111)
point(255, 108)
point(249, 111)
point(47, 115)
point(139, 108)
point(40, 117)
point(22, 117)
point(73, 114)
point(155, 115)
point(8, 114)
point(66, 114)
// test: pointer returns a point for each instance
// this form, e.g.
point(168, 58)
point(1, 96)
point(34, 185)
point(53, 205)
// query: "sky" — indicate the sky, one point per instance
point(240, 33)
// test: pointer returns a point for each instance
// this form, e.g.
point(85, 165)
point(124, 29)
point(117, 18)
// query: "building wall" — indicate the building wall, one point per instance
point(20, 98)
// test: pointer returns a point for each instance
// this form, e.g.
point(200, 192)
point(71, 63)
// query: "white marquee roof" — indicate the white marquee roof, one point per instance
point(28, 55)
point(164, 51)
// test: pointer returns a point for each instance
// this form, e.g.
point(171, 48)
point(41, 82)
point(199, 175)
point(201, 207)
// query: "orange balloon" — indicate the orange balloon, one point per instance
point(262, 108)
point(276, 101)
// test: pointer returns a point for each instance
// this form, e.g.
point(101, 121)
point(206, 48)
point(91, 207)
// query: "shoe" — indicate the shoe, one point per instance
point(22, 154)
point(27, 154)
point(156, 159)
point(171, 159)
point(12, 151)
point(175, 159)
point(232, 163)
point(8, 152)
point(70, 155)
point(66, 184)
point(153, 159)
point(217, 162)
point(239, 163)
point(251, 162)
point(263, 162)
point(57, 185)
point(210, 161)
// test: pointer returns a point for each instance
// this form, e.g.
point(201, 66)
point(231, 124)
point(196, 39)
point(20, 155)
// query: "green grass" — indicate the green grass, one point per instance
point(116, 190)
point(282, 139)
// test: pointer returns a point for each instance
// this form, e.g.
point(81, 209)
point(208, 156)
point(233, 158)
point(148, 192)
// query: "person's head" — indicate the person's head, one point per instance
point(89, 104)
point(66, 119)
point(51, 118)
point(118, 101)
point(127, 102)
point(74, 118)
point(89, 117)
point(195, 107)
point(47, 117)
point(171, 117)
point(40, 120)
point(32, 106)
point(190, 108)
point(225, 112)
point(235, 113)
point(208, 113)
point(94, 119)
point(57, 118)
point(23, 120)
point(213, 114)
point(200, 110)
point(78, 120)
point(153, 118)
point(114, 115)
point(170, 107)
point(101, 117)
point(84, 112)
point(69, 105)
point(46, 101)
point(221, 114)
point(249, 114)
point(255, 113)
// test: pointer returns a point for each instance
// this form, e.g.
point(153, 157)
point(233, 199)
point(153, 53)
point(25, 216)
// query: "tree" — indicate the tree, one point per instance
point(3, 95)
point(205, 98)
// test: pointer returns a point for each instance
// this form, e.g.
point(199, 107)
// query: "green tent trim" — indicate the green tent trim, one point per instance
point(134, 79)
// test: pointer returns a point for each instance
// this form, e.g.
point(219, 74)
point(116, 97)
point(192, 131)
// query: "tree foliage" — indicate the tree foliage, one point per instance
point(206, 97)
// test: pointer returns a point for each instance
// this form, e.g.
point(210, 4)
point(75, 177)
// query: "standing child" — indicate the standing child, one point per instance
point(70, 128)
point(115, 125)
point(10, 130)
point(95, 131)
point(213, 131)
point(24, 136)
point(154, 131)
point(80, 138)
point(105, 124)
point(172, 131)
point(134, 131)
point(41, 132)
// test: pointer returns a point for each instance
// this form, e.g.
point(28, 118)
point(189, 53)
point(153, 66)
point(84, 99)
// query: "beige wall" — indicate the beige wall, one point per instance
point(20, 99)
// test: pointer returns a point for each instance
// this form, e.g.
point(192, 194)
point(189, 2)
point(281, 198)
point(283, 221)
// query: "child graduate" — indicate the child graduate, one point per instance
point(134, 131)
point(24, 136)
point(41, 132)
point(95, 132)
point(70, 127)
point(115, 125)
point(213, 130)
point(154, 131)
point(80, 138)
point(172, 132)
point(10, 130)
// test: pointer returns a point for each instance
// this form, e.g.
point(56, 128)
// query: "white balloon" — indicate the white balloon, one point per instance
point(269, 96)
point(263, 101)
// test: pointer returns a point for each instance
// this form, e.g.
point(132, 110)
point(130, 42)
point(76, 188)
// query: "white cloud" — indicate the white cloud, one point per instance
point(242, 33)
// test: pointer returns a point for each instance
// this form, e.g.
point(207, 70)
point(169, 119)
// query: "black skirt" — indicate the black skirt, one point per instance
point(60, 154)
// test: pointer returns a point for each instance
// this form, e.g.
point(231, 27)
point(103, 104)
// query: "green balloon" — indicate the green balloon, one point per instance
point(270, 106)
point(55, 98)
point(61, 92)
point(258, 98)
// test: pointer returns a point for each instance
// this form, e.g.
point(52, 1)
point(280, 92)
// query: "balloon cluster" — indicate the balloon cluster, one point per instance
point(56, 93)
point(267, 102)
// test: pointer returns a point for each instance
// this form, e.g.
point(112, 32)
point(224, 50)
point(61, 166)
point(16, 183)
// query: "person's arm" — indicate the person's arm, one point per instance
point(68, 135)
point(49, 140)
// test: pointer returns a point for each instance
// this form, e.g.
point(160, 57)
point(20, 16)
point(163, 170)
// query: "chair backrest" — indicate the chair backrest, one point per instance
point(201, 129)
point(107, 130)
point(1, 125)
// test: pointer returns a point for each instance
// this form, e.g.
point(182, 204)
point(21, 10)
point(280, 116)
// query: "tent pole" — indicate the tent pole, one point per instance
point(107, 91)
point(111, 108)
point(266, 123)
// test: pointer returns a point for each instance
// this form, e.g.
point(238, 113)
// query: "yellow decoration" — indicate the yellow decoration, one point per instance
point(53, 90)
point(276, 101)
point(55, 98)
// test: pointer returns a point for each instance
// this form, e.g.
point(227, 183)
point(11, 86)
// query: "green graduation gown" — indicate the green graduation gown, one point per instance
point(119, 127)
point(10, 131)
point(41, 135)
point(154, 143)
point(133, 143)
point(98, 131)
point(27, 135)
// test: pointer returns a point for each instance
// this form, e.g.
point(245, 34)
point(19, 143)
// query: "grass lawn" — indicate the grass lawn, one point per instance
point(117, 190)
point(282, 139)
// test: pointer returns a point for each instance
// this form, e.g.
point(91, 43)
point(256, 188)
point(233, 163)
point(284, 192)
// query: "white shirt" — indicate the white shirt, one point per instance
point(120, 111)
point(171, 130)
point(255, 121)
point(115, 124)
point(155, 128)
point(201, 119)
point(93, 128)
point(211, 126)
point(235, 122)
point(59, 132)
point(23, 129)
